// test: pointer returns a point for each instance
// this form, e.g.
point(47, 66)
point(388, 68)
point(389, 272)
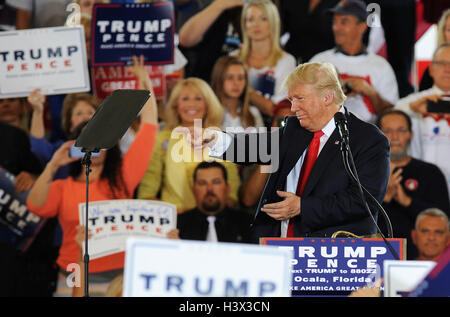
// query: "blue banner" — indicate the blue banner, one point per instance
point(327, 267)
point(18, 226)
point(120, 31)
point(437, 282)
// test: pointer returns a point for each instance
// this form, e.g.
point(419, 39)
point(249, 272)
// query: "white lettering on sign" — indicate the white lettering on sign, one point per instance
point(150, 30)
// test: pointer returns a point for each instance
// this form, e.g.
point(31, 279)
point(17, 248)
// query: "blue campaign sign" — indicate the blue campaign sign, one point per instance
point(18, 226)
point(326, 266)
point(120, 31)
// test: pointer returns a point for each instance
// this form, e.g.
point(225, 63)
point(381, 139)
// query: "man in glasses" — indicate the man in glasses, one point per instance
point(430, 114)
point(414, 185)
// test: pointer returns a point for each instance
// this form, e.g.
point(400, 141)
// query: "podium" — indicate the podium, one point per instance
point(335, 266)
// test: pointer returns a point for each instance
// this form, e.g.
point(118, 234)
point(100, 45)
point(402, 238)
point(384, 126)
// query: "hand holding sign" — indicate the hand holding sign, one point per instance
point(138, 70)
point(36, 99)
point(24, 181)
point(111, 222)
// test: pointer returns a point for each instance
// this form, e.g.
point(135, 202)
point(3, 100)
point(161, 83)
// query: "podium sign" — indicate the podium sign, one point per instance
point(325, 266)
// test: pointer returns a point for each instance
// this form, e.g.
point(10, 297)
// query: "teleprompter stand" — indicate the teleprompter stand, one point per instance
point(109, 123)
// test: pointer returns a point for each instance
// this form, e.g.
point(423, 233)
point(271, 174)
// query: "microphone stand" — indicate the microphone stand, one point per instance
point(86, 161)
point(346, 153)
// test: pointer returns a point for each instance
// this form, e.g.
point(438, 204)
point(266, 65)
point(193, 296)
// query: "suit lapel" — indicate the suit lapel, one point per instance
point(298, 141)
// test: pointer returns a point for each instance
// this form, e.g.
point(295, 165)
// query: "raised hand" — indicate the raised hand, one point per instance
point(420, 105)
point(36, 100)
point(138, 70)
point(62, 156)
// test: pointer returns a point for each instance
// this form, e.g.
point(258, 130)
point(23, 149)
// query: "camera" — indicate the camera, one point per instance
point(442, 106)
point(75, 151)
point(346, 88)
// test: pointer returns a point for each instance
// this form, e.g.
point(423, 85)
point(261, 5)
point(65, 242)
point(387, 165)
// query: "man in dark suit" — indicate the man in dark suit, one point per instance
point(212, 220)
point(308, 193)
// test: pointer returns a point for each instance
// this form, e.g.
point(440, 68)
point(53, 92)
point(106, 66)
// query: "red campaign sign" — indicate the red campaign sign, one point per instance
point(107, 79)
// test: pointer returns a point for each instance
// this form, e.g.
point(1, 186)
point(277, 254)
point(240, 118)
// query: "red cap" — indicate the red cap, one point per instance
point(285, 103)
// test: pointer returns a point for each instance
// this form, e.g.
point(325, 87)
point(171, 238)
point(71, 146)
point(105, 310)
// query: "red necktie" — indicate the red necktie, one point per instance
point(307, 166)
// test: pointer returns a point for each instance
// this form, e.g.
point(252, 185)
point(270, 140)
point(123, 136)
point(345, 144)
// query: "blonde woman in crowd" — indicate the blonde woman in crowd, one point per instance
point(170, 173)
point(267, 62)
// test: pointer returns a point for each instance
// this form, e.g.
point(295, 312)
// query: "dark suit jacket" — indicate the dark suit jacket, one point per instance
point(231, 225)
point(330, 200)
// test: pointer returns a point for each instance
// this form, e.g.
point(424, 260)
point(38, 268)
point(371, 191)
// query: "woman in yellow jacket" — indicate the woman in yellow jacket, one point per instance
point(169, 176)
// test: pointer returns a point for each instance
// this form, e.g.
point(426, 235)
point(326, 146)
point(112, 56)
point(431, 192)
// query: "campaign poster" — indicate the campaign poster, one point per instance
point(52, 59)
point(105, 80)
point(336, 267)
point(120, 31)
point(187, 268)
point(264, 83)
point(18, 225)
point(111, 222)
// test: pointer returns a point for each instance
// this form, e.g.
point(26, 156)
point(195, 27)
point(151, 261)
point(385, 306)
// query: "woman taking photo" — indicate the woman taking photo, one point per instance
point(112, 177)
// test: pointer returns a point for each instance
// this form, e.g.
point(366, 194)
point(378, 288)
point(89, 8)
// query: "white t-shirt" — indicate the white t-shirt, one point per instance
point(45, 13)
point(179, 61)
point(431, 139)
point(268, 80)
point(372, 68)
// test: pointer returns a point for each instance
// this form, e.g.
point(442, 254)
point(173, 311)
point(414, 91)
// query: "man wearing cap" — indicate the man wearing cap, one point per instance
point(308, 192)
point(368, 80)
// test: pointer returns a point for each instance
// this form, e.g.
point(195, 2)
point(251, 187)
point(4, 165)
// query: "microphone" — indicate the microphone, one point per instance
point(341, 124)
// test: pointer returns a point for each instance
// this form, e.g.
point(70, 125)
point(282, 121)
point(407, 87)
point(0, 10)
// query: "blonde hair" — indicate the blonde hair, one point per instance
point(69, 104)
point(214, 111)
point(217, 82)
point(322, 76)
point(271, 11)
point(441, 27)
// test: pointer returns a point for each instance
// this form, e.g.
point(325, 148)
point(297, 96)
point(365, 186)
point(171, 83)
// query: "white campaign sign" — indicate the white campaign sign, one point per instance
point(53, 59)
point(404, 276)
point(157, 267)
point(111, 222)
